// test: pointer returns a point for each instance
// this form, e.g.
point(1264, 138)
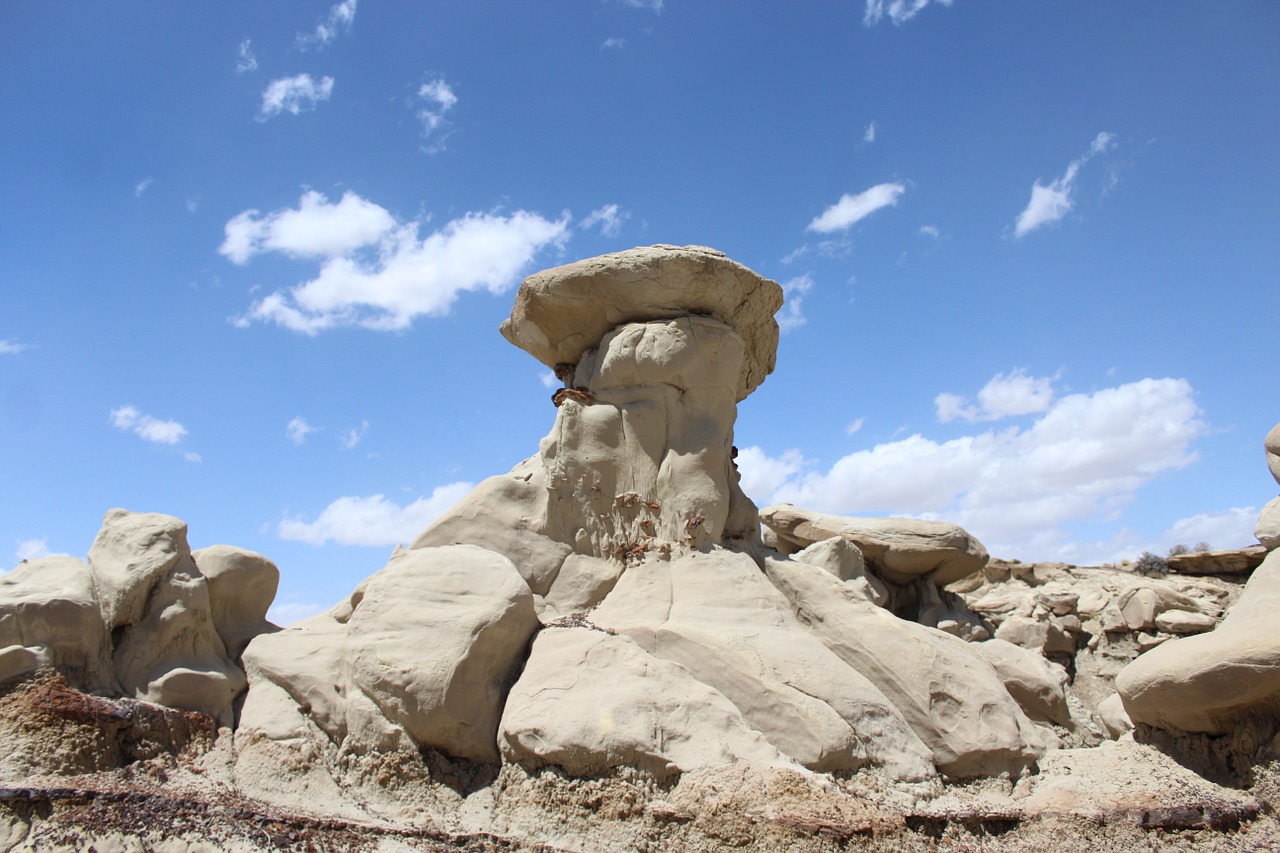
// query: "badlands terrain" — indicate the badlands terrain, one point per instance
point(611, 648)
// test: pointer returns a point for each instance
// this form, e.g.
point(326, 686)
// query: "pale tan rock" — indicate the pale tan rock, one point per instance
point(1038, 685)
point(588, 702)
point(844, 560)
point(897, 549)
point(581, 584)
point(49, 606)
point(1268, 528)
point(306, 665)
point(1272, 447)
point(719, 617)
point(1113, 715)
point(1184, 622)
point(952, 699)
point(17, 661)
point(129, 556)
point(1024, 632)
point(562, 313)
point(435, 639)
point(1231, 561)
point(1058, 603)
point(242, 585)
point(1208, 682)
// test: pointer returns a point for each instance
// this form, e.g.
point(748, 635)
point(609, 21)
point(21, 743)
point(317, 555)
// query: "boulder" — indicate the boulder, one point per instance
point(952, 698)
point(588, 701)
point(132, 552)
point(1268, 527)
point(561, 313)
point(242, 585)
point(1209, 682)
point(49, 615)
point(1038, 685)
point(1113, 715)
point(1272, 446)
point(1232, 561)
point(715, 614)
point(897, 549)
point(1185, 622)
point(843, 559)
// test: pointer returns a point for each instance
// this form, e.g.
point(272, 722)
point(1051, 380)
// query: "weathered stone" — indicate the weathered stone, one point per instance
point(1272, 446)
point(562, 313)
point(1038, 685)
point(897, 549)
point(48, 606)
point(1113, 715)
point(1184, 622)
point(131, 554)
point(242, 585)
point(1233, 561)
point(1268, 528)
point(844, 560)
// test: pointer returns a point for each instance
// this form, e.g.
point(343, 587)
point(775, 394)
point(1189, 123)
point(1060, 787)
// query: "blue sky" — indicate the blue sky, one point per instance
point(254, 256)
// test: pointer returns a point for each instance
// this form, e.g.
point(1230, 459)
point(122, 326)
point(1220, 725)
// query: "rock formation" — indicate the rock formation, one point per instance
point(601, 649)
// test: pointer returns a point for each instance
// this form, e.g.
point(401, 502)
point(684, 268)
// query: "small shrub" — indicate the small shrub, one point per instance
point(1178, 550)
point(1151, 564)
point(1201, 547)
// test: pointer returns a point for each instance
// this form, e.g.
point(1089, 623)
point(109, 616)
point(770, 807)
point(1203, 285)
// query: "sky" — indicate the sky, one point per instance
point(253, 257)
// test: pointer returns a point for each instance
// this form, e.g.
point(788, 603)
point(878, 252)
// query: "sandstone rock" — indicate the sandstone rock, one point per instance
point(131, 554)
point(589, 701)
point(897, 549)
point(1233, 561)
point(715, 614)
point(1208, 682)
point(562, 313)
point(952, 698)
point(48, 607)
point(844, 560)
point(1024, 632)
point(242, 585)
point(1184, 622)
point(1060, 603)
point(1272, 446)
point(1113, 715)
point(581, 584)
point(1268, 527)
point(1038, 685)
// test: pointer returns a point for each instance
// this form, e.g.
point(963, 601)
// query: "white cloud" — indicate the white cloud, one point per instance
point(285, 614)
point(373, 520)
point(246, 61)
point(791, 317)
point(655, 5)
point(549, 380)
point(340, 18)
point(930, 231)
point(404, 278)
point(35, 549)
point(1229, 528)
point(294, 95)
point(763, 474)
point(1085, 457)
point(193, 204)
point(435, 99)
point(852, 208)
point(1050, 203)
point(609, 218)
point(899, 11)
point(1002, 397)
point(870, 134)
point(351, 437)
point(855, 426)
point(192, 457)
point(146, 427)
point(298, 429)
point(614, 42)
point(142, 186)
point(12, 347)
point(317, 229)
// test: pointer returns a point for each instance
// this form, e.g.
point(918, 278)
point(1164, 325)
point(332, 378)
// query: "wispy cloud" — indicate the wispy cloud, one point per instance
point(654, 6)
point(791, 317)
point(349, 438)
point(1051, 202)
point(854, 427)
point(869, 135)
point(287, 613)
point(1083, 458)
point(12, 347)
point(608, 219)
point(376, 272)
point(35, 549)
point(245, 60)
point(899, 11)
point(1228, 528)
point(373, 520)
point(615, 42)
point(142, 186)
point(294, 95)
point(339, 20)
point(930, 231)
point(435, 99)
point(146, 427)
point(1002, 397)
point(851, 209)
point(298, 429)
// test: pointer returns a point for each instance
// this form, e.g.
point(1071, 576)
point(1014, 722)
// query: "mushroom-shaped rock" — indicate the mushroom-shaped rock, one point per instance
point(563, 312)
point(897, 549)
point(242, 585)
point(1209, 682)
